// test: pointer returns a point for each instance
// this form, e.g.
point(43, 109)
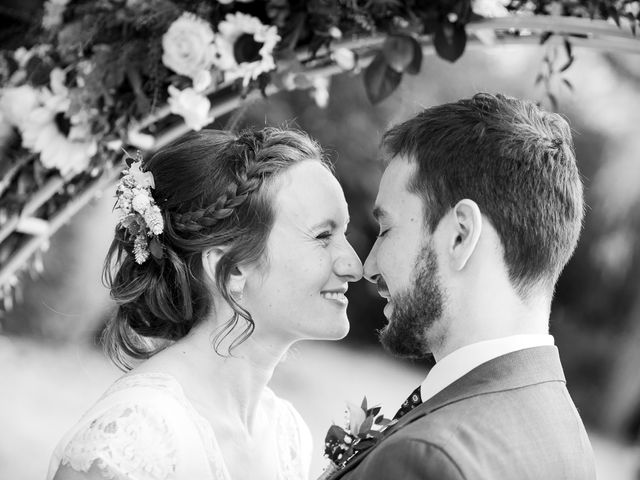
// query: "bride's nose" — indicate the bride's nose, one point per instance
point(348, 265)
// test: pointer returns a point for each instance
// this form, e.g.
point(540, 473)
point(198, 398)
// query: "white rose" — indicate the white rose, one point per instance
point(17, 103)
point(188, 45)
point(190, 105)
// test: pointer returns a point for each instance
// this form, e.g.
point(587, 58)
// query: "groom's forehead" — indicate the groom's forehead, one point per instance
point(395, 181)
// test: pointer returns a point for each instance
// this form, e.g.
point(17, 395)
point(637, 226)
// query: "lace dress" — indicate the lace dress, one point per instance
point(145, 428)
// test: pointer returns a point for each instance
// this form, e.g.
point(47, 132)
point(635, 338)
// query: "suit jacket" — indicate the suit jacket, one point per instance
point(509, 418)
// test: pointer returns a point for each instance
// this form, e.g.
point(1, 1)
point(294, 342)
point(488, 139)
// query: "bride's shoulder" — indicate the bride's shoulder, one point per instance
point(135, 429)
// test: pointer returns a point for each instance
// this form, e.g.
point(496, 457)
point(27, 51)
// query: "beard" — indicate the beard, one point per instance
point(415, 310)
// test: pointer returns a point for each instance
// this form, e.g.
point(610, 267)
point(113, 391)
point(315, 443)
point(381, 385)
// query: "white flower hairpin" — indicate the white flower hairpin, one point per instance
point(137, 211)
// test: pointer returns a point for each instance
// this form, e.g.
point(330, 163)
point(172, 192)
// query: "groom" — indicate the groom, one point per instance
point(480, 208)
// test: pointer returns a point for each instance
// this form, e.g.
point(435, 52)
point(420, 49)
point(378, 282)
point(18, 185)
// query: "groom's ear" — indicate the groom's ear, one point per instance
point(467, 226)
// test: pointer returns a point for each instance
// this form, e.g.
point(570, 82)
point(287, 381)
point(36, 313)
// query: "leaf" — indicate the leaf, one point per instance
point(374, 411)
point(334, 434)
point(366, 426)
point(398, 51)
point(38, 71)
point(363, 405)
point(155, 248)
point(383, 421)
point(450, 40)
point(379, 80)
point(416, 63)
point(544, 37)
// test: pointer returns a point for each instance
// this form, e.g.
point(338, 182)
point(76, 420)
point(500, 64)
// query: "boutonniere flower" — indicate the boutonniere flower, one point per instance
point(364, 428)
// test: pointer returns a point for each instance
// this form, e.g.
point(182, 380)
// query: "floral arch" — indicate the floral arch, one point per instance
point(86, 79)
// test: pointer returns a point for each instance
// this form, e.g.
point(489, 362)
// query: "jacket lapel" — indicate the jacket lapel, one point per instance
point(517, 369)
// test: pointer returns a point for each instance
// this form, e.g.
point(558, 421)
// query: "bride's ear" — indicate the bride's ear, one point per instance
point(237, 279)
point(467, 226)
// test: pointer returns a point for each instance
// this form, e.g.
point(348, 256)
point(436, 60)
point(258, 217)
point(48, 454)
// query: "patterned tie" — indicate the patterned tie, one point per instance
point(409, 404)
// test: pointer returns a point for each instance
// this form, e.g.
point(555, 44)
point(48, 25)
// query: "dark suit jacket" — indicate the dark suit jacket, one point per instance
point(509, 418)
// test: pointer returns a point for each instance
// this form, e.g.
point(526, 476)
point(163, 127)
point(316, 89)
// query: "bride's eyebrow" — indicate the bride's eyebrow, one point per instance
point(325, 223)
point(328, 223)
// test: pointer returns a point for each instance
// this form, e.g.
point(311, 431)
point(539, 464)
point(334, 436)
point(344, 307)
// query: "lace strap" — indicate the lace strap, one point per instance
point(127, 441)
point(138, 434)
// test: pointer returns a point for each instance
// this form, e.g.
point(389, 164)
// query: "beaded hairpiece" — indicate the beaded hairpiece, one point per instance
point(137, 211)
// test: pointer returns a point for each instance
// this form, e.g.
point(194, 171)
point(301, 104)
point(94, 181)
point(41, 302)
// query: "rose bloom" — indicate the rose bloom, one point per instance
point(190, 105)
point(188, 46)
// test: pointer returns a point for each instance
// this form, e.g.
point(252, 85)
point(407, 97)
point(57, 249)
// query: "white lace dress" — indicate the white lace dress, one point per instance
point(145, 428)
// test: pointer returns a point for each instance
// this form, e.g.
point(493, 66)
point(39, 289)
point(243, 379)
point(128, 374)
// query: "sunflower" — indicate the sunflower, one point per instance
point(244, 47)
point(47, 130)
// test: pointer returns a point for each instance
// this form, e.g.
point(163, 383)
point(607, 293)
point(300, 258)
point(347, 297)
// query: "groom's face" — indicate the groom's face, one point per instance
point(404, 265)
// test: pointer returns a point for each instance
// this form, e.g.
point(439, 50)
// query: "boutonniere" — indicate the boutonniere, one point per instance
point(363, 429)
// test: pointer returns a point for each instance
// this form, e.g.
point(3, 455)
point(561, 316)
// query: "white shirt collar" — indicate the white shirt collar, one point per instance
point(460, 362)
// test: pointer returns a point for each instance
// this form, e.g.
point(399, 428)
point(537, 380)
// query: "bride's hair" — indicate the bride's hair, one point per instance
point(213, 188)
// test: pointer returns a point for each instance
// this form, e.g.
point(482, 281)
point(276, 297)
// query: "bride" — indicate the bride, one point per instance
point(229, 249)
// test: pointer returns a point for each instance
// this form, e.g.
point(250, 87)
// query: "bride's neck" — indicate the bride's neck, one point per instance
point(232, 383)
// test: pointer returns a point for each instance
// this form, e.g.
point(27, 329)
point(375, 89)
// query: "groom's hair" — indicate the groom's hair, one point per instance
point(516, 161)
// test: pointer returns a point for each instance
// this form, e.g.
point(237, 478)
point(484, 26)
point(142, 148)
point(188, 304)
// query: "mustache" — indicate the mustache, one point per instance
point(381, 285)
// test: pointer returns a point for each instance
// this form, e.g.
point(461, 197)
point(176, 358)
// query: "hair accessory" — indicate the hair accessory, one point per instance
point(137, 210)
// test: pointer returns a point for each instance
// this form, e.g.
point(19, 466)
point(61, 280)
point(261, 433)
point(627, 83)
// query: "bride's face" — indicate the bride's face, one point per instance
point(299, 293)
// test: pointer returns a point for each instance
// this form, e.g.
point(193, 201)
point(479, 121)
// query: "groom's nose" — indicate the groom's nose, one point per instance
point(371, 271)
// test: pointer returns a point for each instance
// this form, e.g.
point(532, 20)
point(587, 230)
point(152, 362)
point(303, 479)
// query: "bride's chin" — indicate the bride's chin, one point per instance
point(339, 332)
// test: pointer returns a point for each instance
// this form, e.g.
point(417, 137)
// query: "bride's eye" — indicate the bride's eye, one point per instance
point(325, 236)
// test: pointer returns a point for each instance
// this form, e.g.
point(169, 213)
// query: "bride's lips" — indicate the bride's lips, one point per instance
point(336, 295)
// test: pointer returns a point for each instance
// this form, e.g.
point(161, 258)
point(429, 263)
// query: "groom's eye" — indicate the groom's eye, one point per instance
point(382, 233)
